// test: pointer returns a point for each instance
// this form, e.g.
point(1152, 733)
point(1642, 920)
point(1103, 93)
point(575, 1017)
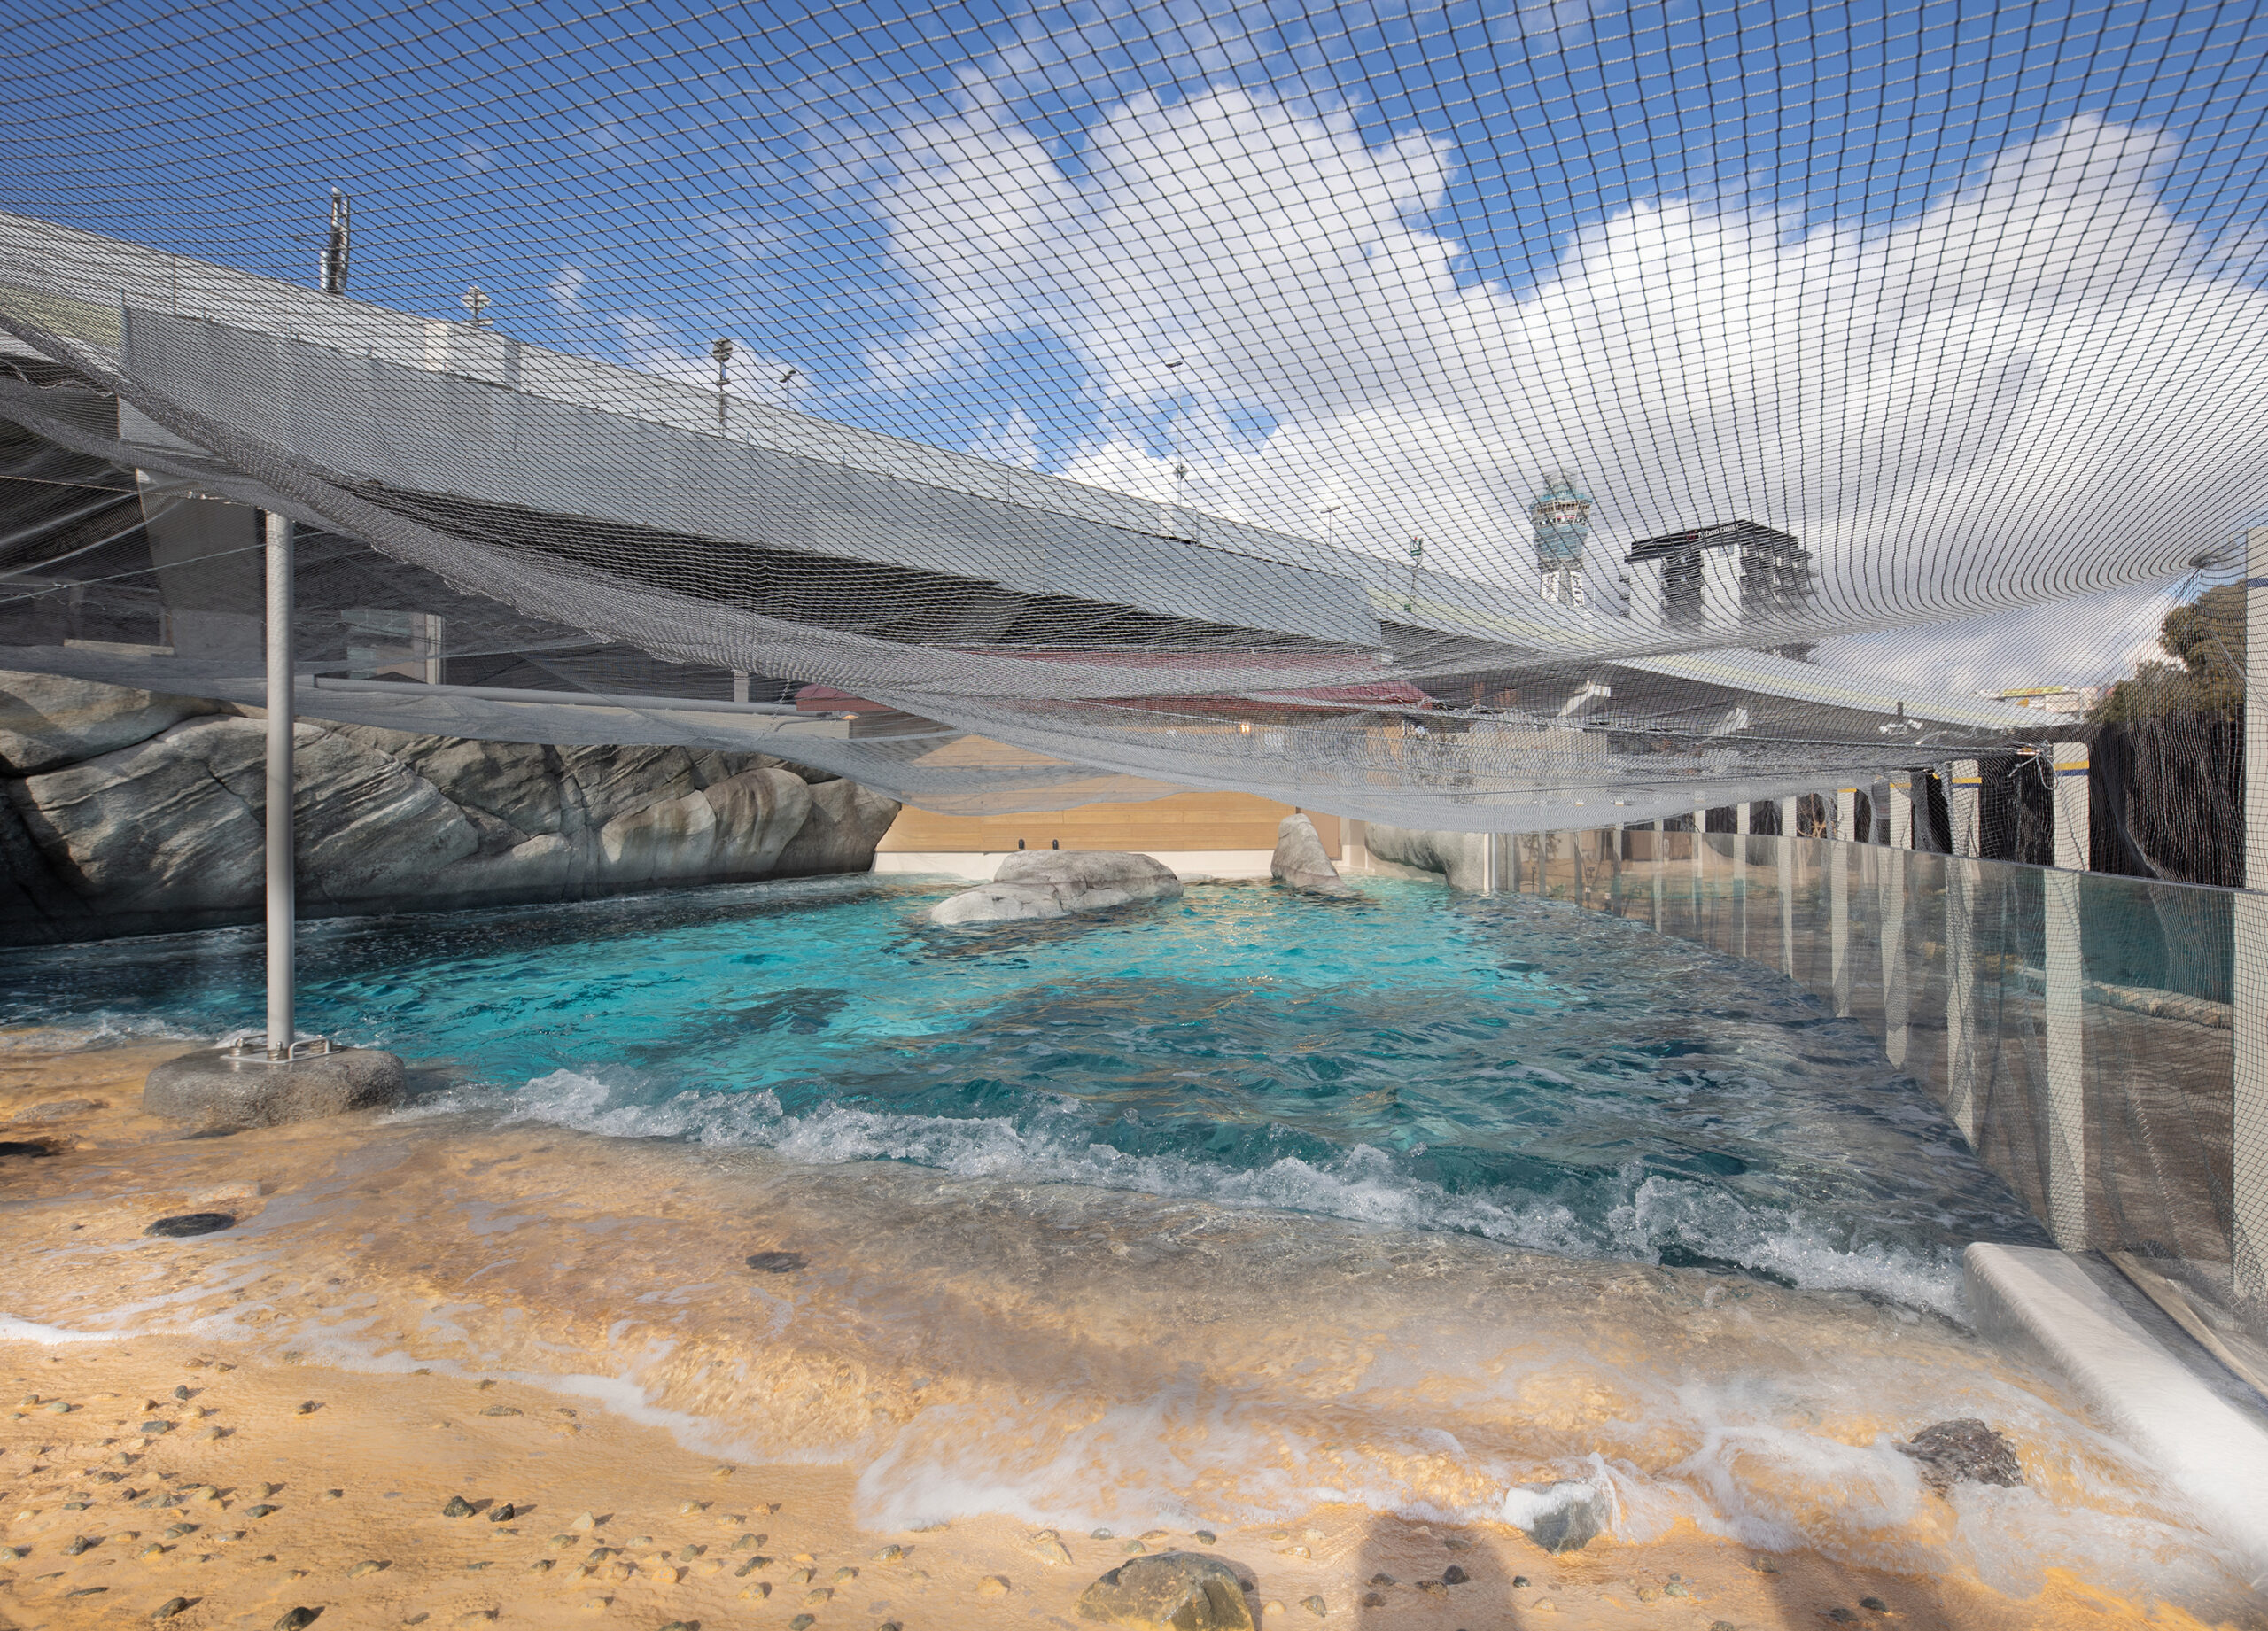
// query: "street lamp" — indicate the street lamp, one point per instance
point(722, 350)
point(475, 301)
point(786, 391)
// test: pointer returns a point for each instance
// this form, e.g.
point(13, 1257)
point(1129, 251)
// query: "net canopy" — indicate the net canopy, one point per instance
point(1496, 417)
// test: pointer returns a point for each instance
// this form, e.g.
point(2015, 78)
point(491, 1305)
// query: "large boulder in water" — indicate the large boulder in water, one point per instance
point(1301, 862)
point(1054, 883)
point(1173, 1591)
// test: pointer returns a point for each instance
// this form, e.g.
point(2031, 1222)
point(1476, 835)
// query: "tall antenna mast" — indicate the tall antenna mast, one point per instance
point(337, 247)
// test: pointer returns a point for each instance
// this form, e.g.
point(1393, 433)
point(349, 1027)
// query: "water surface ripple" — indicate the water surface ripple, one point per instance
point(1514, 1068)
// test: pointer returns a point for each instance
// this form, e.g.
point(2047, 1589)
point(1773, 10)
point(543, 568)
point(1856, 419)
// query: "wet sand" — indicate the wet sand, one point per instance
point(442, 1304)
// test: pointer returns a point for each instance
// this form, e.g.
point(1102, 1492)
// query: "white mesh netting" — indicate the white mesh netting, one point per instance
point(1521, 419)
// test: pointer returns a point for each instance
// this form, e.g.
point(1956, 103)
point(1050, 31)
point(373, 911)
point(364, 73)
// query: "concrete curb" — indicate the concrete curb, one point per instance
point(2041, 1300)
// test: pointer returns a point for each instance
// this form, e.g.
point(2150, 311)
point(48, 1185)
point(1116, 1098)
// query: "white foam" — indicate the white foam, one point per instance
point(13, 1330)
point(1364, 1184)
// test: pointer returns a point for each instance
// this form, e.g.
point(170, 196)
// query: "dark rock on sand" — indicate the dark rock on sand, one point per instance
point(55, 1110)
point(777, 1262)
point(1564, 1516)
point(186, 1224)
point(1963, 1451)
point(1173, 1591)
point(458, 1507)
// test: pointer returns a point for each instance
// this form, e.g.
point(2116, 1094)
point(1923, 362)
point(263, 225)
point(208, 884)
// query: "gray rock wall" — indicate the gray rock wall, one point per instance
point(126, 812)
point(1458, 857)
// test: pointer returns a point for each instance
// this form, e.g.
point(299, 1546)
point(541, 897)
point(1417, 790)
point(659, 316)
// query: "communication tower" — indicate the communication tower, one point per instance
point(1562, 515)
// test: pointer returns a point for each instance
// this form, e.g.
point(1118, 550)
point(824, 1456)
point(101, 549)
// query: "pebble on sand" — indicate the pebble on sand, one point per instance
point(369, 1565)
point(992, 1586)
point(584, 1523)
point(457, 1507)
point(170, 1607)
point(1316, 1606)
point(297, 1618)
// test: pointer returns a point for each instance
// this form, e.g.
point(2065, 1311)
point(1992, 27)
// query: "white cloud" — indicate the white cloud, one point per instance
point(2040, 386)
point(1013, 441)
point(566, 289)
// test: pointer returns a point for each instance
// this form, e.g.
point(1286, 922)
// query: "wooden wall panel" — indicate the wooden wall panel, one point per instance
point(1184, 822)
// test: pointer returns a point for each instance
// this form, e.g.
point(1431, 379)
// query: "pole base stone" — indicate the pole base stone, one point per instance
point(213, 1092)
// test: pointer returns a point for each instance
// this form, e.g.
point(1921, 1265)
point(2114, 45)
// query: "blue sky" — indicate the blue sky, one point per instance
point(706, 168)
point(634, 181)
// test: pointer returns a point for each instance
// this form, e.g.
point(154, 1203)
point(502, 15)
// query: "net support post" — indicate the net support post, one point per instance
point(2064, 1003)
point(1661, 847)
point(1961, 883)
point(1891, 900)
point(1786, 856)
point(1964, 791)
point(1740, 877)
point(2248, 1188)
point(283, 899)
point(1902, 812)
point(1839, 899)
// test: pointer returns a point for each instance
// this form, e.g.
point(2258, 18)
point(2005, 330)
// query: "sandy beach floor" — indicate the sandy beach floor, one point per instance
point(921, 1419)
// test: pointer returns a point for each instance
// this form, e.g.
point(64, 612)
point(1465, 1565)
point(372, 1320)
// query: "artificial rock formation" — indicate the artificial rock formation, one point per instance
point(1459, 857)
point(1301, 862)
point(124, 811)
point(1054, 883)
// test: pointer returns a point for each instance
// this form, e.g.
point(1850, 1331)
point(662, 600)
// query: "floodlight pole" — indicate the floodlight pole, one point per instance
point(283, 903)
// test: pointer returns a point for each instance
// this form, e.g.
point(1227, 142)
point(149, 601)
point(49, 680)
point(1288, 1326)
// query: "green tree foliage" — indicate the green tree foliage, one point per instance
point(2206, 639)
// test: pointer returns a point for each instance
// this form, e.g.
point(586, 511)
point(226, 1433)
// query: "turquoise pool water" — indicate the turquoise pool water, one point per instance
point(1511, 1068)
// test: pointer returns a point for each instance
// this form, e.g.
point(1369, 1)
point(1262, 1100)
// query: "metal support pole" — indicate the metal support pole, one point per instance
point(2065, 1007)
point(1964, 790)
point(1787, 881)
point(2249, 1229)
point(1839, 918)
point(1892, 902)
point(1661, 848)
point(1901, 810)
point(282, 904)
point(1846, 814)
point(1740, 878)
